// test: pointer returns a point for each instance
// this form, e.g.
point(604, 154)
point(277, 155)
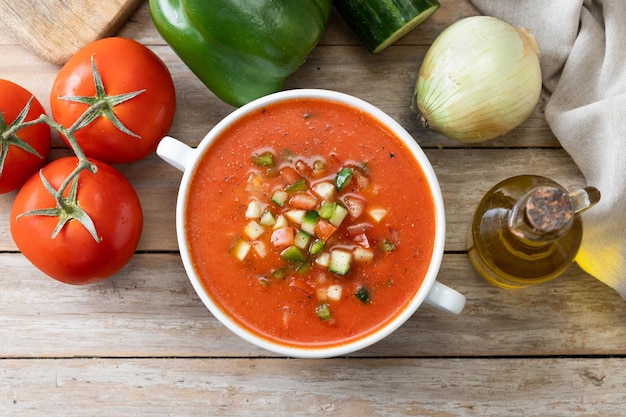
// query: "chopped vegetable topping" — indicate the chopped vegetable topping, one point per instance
point(320, 227)
point(343, 178)
point(363, 295)
point(266, 159)
point(323, 311)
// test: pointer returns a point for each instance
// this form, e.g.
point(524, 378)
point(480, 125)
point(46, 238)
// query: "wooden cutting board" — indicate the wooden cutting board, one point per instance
point(56, 29)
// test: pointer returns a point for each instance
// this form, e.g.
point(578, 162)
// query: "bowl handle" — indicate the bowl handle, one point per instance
point(445, 298)
point(176, 153)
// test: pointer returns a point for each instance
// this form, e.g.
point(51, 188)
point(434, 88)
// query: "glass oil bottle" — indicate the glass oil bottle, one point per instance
point(527, 230)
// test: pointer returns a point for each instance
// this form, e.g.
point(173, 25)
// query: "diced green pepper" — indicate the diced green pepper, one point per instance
point(323, 312)
point(317, 247)
point(299, 185)
point(387, 246)
point(343, 177)
point(266, 159)
point(279, 273)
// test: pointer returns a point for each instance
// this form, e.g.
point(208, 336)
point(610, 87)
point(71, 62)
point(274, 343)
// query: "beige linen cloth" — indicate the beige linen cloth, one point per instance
point(583, 62)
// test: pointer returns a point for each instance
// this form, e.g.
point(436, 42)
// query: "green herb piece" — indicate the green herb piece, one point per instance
point(363, 294)
point(279, 273)
point(387, 246)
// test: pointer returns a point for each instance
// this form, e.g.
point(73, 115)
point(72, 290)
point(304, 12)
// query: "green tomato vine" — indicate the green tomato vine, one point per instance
point(100, 105)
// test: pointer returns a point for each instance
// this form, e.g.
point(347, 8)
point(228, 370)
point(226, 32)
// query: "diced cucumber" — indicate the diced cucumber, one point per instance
point(363, 294)
point(327, 210)
point(293, 254)
point(295, 216)
point(303, 268)
point(377, 214)
point(325, 190)
point(323, 312)
point(363, 255)
point(343, 178)
point(302, 239)
point(254, 210)
point(267, 218)
point(317, 247)
point(310, 219)
point(253, 230)
point(334, 292)
point(323, 259)
point(340, 261)
point(340, 214)
point(281, 221)
point(279, 198)
point(240, 249)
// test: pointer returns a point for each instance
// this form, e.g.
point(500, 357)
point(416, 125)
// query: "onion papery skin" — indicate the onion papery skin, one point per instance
point(479, 80)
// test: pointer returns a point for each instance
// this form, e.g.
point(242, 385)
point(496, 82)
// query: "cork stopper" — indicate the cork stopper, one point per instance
point(549, 209)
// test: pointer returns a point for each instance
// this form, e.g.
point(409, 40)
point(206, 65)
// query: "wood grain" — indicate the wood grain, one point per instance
point(339, 387)
point(56, 29)
point(142, 343)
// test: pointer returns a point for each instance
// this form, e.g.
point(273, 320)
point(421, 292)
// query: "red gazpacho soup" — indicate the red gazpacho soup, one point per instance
point(310, 223)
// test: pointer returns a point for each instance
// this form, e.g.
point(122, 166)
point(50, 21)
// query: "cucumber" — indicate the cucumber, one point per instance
point(379, 23)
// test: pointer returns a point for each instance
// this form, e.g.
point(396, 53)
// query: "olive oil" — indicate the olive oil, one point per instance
point(527, 230)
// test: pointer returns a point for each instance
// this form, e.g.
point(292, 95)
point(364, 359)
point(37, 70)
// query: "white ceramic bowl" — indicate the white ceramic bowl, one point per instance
point(431, 291)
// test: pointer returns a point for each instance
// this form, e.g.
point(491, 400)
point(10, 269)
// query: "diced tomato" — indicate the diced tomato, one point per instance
point(362, 240)
point(301, 286)
point(355, 205)
point(303, 201)
point(394, 235)
point(359, 228)
point(324, 230)
point(289, 174)
point(303, 168)
point(282, 237)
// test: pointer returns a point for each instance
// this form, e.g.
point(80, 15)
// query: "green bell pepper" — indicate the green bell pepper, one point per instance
point(241, 49)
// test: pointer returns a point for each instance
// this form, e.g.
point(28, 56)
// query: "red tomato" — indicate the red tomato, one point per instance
point(125, 66)
point(19, 164)
point(74, 256)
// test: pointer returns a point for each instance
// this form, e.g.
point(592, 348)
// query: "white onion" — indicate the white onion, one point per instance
point(479, 80)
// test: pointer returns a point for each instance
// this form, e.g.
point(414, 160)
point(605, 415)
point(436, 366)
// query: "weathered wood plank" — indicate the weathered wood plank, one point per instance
point(356, 387)
point(150, 309)
point(464, 174)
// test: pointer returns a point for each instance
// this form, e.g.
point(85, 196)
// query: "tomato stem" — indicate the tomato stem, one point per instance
point(100, 105)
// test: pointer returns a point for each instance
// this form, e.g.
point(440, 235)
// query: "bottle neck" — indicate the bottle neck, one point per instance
point(545, 213)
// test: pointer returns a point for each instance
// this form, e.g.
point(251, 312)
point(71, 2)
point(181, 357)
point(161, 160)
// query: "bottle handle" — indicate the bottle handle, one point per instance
point(584, 198)
point(445, 298)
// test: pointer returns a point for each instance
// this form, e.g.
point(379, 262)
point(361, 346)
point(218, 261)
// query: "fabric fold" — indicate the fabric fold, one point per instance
point(583, 62)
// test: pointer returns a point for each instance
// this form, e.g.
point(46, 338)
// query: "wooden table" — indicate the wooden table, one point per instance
point(142, 343)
